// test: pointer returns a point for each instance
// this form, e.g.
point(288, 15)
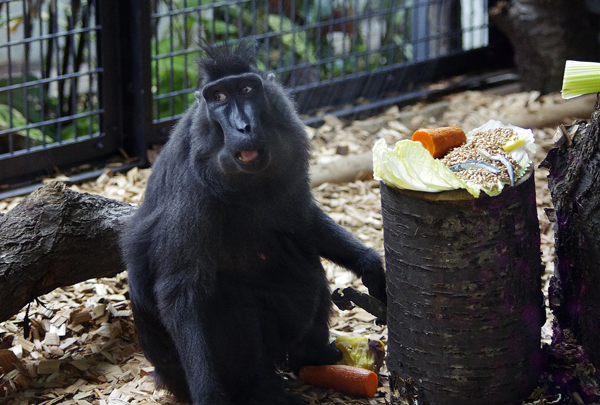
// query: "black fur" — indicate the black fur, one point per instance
point(224, 255)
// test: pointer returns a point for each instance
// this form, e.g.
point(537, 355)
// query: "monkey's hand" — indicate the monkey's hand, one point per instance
point(373, 275)
point(338, 245)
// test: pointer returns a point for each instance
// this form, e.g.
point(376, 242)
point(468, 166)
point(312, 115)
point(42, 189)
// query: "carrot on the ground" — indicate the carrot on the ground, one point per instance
point(351, 380)
point(438, 141)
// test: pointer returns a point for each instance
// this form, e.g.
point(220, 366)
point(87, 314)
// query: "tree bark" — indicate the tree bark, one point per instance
point(574, 183)
point(545, 33)
point(54, 238)
point(465, 297)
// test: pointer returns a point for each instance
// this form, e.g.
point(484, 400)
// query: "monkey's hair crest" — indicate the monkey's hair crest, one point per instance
point(225, 60)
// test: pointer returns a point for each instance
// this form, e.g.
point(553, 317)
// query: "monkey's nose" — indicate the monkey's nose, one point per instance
point(245, 129)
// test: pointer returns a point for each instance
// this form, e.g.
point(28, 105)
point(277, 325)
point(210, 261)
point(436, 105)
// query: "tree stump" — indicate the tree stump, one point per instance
point(465, 302)
point(574, 183)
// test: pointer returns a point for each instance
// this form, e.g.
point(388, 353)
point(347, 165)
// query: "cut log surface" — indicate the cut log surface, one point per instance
point(54, 238)
point(465, 297)
point(574, 183)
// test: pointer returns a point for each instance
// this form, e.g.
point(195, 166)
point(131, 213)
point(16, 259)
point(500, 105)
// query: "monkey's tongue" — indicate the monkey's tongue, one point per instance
point(248, 155)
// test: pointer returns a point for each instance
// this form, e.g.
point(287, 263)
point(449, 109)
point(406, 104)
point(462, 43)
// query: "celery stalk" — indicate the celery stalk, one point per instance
point(580, 78)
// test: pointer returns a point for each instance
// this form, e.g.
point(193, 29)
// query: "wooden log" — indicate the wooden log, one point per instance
point(465, 302)
point(553, 114)
point(54, 238)
point(574, 183)
point(346, 169)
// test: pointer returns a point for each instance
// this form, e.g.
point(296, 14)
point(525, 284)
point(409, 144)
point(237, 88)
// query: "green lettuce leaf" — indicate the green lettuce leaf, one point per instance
point(410, 166)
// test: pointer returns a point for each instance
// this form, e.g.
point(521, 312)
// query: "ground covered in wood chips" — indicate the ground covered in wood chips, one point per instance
point(79, 346)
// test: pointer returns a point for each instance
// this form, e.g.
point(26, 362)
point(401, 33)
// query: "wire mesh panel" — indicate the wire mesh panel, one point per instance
point(49, 79)
point(48, 74)
point(329, 53)
point(80, 79)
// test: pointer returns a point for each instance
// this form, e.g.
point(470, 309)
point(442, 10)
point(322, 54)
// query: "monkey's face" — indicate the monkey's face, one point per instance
point(235, 103)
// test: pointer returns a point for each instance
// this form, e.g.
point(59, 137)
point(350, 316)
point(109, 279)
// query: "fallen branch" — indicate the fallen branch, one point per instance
point(553, 114)
point(57, 237)
point(345, 169)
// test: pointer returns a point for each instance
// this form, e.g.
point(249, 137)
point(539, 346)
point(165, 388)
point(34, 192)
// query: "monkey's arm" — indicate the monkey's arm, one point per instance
point(338, 245)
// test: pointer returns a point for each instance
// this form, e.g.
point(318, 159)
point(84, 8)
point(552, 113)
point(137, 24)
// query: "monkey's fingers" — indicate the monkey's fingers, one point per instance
point(367, 302)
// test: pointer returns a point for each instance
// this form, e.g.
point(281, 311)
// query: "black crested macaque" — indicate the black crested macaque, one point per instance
point(225, 276)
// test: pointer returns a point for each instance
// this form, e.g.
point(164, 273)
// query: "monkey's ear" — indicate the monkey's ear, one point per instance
point(271, 77)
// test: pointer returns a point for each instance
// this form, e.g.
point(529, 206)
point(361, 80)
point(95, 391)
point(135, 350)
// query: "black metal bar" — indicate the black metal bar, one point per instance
point(62, 34)
point(9, 93)
point(42, 124)
point(90, 94)
point(30, 165)
point(126, 33)
point(178, 11)
point(42, 59)
point(109, 61)
point(174, 93)
point(137, 126)
point(186, 44)
point(419, 95)
point(49, 80)
point(56, 47)
point(171, 60)
point(420, 30)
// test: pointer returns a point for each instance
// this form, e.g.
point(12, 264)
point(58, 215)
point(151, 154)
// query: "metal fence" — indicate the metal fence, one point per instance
point(84, 79)
point(69, 85)
point(333, 55)
point(49, 81)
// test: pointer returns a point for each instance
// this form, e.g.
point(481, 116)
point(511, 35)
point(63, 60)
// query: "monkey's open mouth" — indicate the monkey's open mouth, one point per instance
point(247, 155)
point(250, 161)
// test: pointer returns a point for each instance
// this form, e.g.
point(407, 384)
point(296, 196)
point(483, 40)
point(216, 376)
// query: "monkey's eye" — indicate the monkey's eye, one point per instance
point(219, 96)
point(246, 90)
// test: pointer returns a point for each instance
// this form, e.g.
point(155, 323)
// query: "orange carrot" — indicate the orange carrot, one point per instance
point(351, 380)
point(438, 141)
